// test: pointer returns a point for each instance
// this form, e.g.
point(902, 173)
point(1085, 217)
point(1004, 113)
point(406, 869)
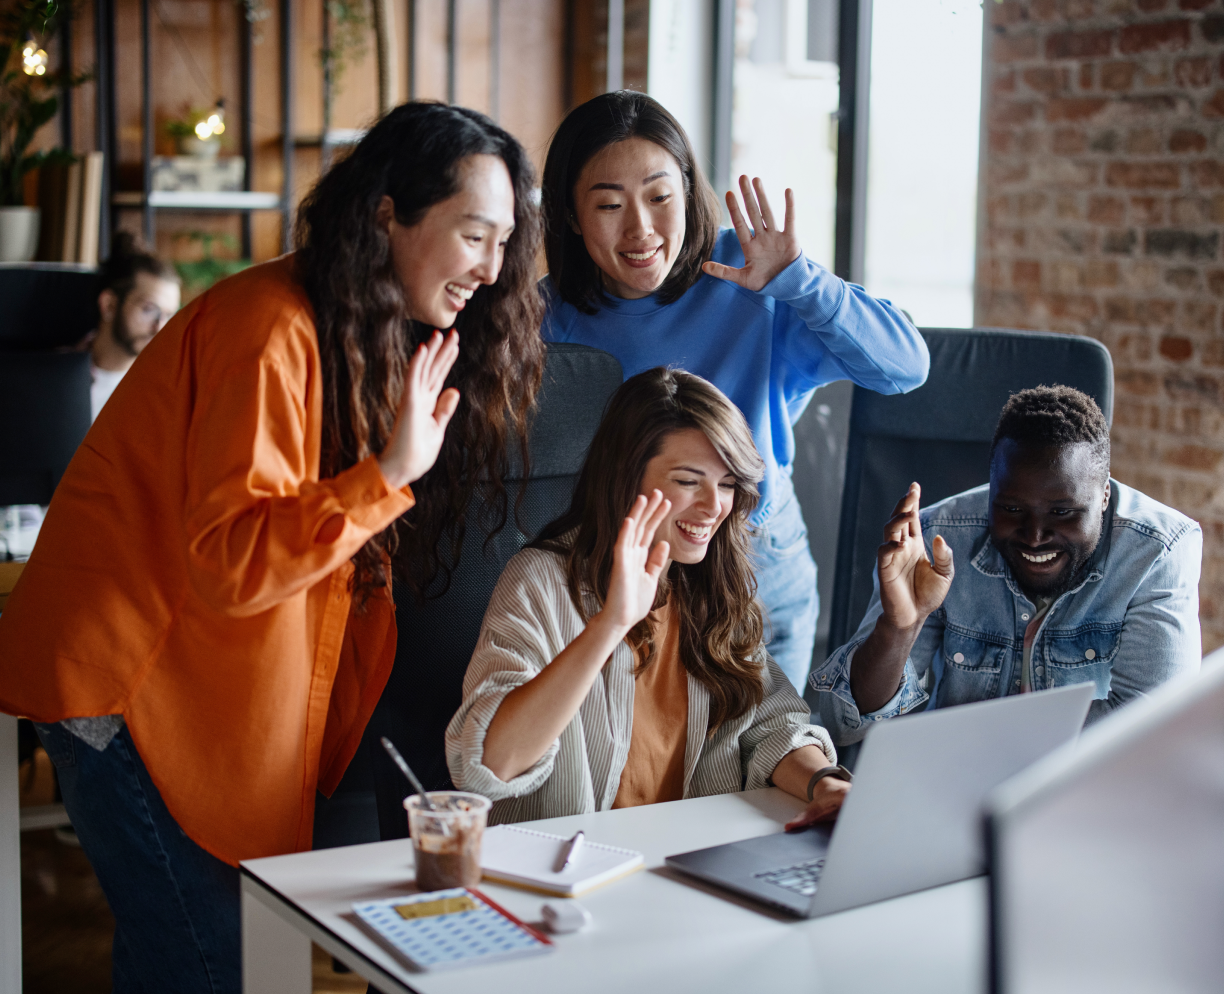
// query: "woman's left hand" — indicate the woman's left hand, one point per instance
point(827, 799)
point(767, 250)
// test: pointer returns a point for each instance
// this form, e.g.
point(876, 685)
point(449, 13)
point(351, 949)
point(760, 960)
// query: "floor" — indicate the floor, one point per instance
point(66, 924)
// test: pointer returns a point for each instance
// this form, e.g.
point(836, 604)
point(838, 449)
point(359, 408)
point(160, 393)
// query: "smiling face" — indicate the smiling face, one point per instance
point(1046, 511)
point(692, 475)
point(457, 246)
point(629, 210)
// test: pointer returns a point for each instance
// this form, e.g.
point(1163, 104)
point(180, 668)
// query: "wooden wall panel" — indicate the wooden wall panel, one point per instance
point(533, 71)
point(195, 60)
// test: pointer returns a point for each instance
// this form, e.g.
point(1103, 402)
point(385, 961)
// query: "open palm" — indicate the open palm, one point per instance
point(767, 248)
point(635, 565)
point(911, 585)
point(425, 411)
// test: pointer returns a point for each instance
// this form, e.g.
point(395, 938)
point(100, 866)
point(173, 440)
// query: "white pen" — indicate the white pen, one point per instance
point(571, 849)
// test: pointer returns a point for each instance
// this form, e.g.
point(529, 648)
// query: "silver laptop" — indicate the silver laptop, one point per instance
point(914, 816)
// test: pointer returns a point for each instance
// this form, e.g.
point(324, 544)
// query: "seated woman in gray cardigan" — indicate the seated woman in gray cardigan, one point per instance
point(621, 658)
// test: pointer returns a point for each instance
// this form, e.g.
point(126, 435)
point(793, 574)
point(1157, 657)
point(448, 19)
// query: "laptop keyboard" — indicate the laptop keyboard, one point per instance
point(802, 878)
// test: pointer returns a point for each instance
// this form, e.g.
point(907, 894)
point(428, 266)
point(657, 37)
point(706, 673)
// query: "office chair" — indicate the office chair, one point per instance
point(44, 408)
point(46, 305)
point(437, 637)
point(940, 436)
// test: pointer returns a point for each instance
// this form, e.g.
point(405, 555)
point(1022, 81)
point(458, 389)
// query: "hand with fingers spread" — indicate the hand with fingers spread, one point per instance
point(767, 249)
point(911, 588)
point(911, 585)
point(425, 410)
point(532, 716)
point(635, 565)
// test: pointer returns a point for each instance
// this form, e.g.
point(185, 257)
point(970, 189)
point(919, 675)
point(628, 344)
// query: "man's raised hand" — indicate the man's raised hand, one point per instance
point(911, 585)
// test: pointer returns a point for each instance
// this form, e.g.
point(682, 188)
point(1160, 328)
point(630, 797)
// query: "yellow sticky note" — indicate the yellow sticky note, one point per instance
point(444, 906)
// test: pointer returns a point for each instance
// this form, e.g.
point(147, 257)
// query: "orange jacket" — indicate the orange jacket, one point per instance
point(193, 573)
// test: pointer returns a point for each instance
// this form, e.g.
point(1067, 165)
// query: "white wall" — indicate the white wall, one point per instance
point(926, 62)
point(680, 67)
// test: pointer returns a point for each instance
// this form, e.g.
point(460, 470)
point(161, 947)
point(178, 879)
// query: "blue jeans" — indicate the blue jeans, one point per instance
point(786, 588)
point(177, 925)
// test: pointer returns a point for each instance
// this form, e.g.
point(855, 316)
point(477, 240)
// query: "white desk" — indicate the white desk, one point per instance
point(652, 931)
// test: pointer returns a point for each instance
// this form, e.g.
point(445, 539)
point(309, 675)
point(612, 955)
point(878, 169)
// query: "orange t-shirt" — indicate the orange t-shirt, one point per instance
point(193, 573)
point(654, 769)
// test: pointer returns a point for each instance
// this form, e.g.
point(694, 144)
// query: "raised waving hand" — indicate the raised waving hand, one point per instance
point(768, 249)
point(911, 585)
point(425, 411)
point(635, 565)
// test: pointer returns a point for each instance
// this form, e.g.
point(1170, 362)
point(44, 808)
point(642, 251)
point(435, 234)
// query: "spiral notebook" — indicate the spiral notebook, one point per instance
point(449, 928)
point(526, 858)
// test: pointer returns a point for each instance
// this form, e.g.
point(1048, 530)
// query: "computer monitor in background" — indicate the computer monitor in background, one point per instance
point(44, 415)
point(1107, 859)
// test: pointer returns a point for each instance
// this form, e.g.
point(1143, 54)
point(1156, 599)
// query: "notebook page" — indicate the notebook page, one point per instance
point(523, 856)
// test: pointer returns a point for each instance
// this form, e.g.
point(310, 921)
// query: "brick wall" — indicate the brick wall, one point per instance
point(1104, 205)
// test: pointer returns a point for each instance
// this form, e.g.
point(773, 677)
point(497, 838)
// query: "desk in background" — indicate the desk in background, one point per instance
point(652, 931)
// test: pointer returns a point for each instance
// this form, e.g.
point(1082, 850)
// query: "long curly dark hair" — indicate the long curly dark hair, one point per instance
point(414, 155)
point(721, 628)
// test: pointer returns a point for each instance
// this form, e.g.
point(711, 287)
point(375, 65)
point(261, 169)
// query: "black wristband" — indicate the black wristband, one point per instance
point(829, 771)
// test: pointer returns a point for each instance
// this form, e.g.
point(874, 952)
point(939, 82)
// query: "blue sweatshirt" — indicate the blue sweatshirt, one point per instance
point(767, 351)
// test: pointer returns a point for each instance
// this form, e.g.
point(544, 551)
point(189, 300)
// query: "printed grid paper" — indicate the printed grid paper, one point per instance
point(457, 939)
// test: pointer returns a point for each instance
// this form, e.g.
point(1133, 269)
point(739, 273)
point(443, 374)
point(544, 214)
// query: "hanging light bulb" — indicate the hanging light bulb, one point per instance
point(216, 120)
point(33, 59)
point(203, 131)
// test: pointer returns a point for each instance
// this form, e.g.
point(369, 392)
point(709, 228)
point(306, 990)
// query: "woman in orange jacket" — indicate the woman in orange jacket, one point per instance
point(205, 624)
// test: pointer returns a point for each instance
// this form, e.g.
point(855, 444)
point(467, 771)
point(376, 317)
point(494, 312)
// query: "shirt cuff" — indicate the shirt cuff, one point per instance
point(366, 497)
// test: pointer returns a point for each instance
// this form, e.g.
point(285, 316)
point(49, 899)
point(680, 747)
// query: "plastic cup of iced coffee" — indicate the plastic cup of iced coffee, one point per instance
point(446, 841)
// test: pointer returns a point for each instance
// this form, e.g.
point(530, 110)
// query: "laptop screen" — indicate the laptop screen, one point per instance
point(1108, 866)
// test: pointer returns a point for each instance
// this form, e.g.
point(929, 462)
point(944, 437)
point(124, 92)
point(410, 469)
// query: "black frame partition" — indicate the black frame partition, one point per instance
point(146, 200)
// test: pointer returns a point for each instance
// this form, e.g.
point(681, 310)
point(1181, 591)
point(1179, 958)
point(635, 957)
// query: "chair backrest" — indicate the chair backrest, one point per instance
point(437, 637)
point(940, 436)
point(44, 411)
point(46, 305)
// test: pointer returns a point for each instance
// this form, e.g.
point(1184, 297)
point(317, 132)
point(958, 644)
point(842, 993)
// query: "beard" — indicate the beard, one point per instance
point(1059, 583)
point(124, 337)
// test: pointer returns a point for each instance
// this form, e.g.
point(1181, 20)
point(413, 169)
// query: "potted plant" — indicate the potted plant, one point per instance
point(28, 100)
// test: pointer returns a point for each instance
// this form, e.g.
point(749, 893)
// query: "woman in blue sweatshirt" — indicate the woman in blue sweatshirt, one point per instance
point(639, 268)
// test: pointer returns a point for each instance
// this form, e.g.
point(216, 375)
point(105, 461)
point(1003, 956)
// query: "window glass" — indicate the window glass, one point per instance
point(922, 163)
point(786, 95)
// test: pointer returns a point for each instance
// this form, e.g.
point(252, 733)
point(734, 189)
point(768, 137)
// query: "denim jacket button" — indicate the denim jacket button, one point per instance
point(1090, 653)
point(1024, 617)
point(958, 658)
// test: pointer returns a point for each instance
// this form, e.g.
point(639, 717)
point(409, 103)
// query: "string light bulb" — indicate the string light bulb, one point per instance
point(212, 125)
point(33, 59)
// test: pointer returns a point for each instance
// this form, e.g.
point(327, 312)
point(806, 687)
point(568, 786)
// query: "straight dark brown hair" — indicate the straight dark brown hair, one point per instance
point(714, 600)
point(588, 130)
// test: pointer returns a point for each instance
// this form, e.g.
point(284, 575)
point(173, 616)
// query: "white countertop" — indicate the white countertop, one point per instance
point(656, 930)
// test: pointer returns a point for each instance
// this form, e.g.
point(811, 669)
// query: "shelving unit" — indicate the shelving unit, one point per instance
point(150, 201)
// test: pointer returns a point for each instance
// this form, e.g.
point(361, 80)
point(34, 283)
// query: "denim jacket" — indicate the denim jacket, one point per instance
point(1131, 624)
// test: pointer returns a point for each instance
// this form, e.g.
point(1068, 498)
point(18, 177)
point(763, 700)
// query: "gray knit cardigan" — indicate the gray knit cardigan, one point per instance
point(529, 621)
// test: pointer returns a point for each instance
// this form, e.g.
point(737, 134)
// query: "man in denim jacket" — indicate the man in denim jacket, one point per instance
point(1052, 574)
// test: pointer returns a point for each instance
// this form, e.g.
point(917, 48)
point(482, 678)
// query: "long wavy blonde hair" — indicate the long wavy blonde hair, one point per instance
point(714, 600)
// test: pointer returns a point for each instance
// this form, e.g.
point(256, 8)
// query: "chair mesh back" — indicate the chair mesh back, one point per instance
point(940, 436)
point(437, 637)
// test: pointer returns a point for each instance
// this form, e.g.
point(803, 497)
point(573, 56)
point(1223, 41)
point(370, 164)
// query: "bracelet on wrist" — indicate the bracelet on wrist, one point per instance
point(839, 772)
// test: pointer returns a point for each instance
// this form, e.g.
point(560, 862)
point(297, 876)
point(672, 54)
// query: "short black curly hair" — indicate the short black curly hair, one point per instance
point(1057, 415)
